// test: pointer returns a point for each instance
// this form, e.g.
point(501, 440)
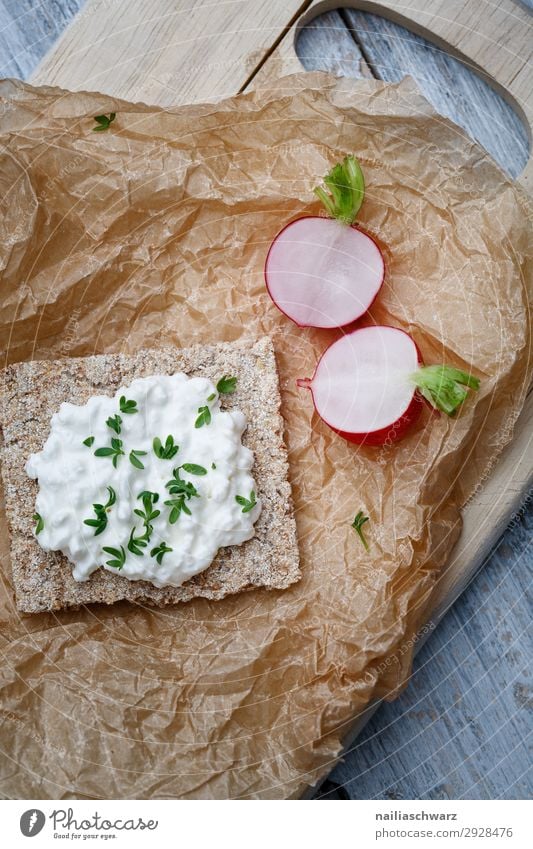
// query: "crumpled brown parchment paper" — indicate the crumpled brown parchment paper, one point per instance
point(155, 232)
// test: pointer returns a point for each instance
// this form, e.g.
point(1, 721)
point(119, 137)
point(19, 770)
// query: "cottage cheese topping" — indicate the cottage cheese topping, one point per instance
point(207, 482)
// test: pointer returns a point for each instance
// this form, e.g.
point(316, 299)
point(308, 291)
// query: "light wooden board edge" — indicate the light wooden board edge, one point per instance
point(168, 52)
point(255, 60)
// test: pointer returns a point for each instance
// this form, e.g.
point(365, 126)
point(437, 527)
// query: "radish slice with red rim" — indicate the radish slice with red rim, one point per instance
point(322, 273)
point(368, 385)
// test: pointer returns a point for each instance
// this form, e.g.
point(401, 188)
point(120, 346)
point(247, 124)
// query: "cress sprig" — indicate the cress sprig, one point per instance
point(357, 525)
point(103, 122)
point(178, 486)
point(182, 490)
point(118, 554)
point(127, 406)
point(159, 551)
point(227, 385)
point(148, 514)
point(166, 451)
point(247, 504)
point(134, 458)
point(203, 418)
point(115, 451)
point(136, 544)
point(114, 422)
point(177, 506)
point(101, 510)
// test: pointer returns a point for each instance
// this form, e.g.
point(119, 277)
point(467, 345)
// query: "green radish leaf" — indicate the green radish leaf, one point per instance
point(344, 190)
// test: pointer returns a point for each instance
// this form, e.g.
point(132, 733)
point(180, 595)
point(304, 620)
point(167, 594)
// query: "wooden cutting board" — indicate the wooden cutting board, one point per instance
point(171, 52)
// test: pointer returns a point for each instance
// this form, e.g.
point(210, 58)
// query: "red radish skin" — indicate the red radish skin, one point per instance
point(393, 356)
point(322, 273)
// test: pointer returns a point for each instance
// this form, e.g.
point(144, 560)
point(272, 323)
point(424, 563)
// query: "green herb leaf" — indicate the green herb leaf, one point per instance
point(227, 385)
point(148, 514)
point(212, 396)
point(126, 406)
point(159, 551)
point(100, 523)
point(134, 458)
point(101, 511)
point(103, 122)
point(115, 451)
point(119, 556)
point(136, 544)
point(193, 469)
point(344, 190)
point(40, 523)
point(177, 506)
point(213, 465)
point(166, 452)
point(204, 417)
point(89, 441)
point(114, 422)
point(112, 498)
point(177, 486)
point(147, 495)
point(444, 387)
point(357, 525)
point(245, 503)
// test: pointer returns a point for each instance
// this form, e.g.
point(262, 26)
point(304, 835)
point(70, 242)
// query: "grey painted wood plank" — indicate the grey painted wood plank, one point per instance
point(392, 52)
point(27, 29)
point(329, 46)
point(460, 728)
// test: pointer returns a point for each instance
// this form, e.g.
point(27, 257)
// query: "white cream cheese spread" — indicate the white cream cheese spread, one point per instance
point(148, 484)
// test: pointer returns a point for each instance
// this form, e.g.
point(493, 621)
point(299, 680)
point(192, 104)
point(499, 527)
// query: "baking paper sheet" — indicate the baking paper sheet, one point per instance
point(155, 232)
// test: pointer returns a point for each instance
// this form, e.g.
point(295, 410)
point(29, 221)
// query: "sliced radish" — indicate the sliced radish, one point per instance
point(368, 385)
point(324, 272)
point(321, 273)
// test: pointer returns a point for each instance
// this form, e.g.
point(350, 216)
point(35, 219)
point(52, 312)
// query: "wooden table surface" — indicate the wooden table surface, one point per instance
point(462, 728)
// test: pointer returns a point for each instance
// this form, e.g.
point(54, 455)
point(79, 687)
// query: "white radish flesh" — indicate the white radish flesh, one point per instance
point(323, 273)
point(363, 381)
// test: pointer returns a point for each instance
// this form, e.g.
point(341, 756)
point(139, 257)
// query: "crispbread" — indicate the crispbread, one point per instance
point(33, 391)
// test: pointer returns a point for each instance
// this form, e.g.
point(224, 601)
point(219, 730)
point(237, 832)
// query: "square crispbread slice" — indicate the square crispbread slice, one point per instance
point(34, 391)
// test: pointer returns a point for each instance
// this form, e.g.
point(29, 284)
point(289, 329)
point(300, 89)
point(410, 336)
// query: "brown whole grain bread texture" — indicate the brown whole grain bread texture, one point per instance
point(33, 391)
